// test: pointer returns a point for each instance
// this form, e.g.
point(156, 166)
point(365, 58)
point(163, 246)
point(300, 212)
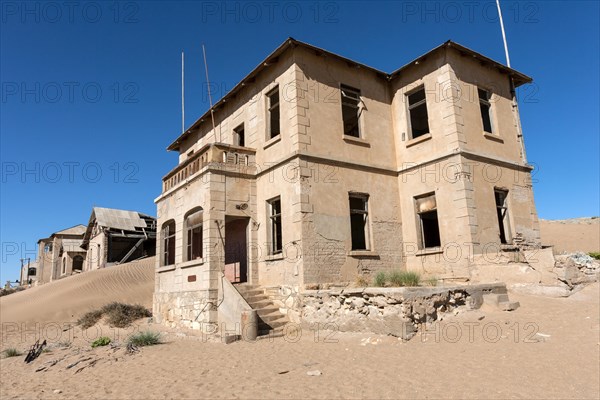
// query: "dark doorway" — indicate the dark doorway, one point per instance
point(236, 255)
point(77, 263)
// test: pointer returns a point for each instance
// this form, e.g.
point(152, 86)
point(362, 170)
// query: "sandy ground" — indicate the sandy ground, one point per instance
point(549, 348)
point(580, 234)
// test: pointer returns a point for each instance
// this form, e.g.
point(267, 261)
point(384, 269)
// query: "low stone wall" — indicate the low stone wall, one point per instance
point(393, 311)
point(190, 309)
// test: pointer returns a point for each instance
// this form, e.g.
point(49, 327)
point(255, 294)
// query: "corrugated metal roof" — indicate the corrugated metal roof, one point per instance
point(118, 219)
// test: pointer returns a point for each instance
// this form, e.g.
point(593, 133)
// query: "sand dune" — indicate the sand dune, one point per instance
point(68, 298)
point(571, 235)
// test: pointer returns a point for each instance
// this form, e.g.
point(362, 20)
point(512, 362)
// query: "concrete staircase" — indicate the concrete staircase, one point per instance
point(270, 319)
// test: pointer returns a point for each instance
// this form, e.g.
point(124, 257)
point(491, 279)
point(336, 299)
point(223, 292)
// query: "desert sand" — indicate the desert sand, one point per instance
point(571, 235)
point(548, 348)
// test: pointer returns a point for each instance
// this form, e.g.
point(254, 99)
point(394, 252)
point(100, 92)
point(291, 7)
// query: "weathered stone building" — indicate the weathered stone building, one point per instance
point(322, 170)
point(58, 256)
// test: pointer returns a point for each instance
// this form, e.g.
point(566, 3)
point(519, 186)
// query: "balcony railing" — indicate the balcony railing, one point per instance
point(219, 155)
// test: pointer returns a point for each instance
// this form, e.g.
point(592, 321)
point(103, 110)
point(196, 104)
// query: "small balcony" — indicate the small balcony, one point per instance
point(215, 156)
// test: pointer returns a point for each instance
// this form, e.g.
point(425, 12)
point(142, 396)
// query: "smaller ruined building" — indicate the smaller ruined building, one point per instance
point(117, 236)
point(58, 255)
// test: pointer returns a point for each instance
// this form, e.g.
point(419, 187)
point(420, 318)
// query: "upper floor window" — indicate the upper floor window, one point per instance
point(486, 109)
point(168, 237)
point(359, 221)
point(350, 110)
point(239, 138)
point(274, 114)
point(193, 228)
point(417, 110)
point(275, 237)
point(428, 221)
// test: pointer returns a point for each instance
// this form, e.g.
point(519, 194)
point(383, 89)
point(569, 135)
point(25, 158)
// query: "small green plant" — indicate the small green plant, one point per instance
point(380, 279)
point(11, 352)
point(89, 319)
point(403, 278)
point(147, 338)
point(395, 278)
point(594, 255)
point(411, 278)
point(433, 281)
point(101, 341)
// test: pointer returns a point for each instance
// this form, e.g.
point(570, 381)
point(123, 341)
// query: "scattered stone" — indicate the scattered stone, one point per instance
point(57, 391)
point(316, 372)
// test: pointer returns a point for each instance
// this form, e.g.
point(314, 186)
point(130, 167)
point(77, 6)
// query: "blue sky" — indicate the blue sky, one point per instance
point(91, 90)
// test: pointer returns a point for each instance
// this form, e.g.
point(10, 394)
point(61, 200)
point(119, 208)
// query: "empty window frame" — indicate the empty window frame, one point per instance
point(168, 237)
point(274, 113)
point(417, 110)
point(193, 229)
point(351, 110)
point(238, 136)
point(359, 220)
point(502, 211)
point(429, 228)
point(64, 268)
point(275, 239)
point(486, 109)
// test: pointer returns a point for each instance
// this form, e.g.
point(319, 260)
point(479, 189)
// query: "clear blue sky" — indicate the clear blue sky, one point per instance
point(91, 91)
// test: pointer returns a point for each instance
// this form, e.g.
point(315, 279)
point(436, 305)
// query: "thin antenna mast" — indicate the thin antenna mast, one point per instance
point(212, 116)
point(515, 104)
point(503, 34)
point(182, 96)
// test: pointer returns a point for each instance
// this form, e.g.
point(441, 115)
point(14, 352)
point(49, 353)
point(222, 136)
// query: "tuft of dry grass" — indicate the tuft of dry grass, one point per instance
point(117, 315)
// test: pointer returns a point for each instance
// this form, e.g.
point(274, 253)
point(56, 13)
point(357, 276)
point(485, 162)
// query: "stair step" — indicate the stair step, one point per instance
point(256, 298)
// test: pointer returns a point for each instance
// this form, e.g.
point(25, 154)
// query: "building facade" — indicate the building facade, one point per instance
point(323, 170)
point(58, 256)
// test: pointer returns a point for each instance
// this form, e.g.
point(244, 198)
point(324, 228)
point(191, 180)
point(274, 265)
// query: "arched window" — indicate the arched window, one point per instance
point(168, 237)
point(193, 232)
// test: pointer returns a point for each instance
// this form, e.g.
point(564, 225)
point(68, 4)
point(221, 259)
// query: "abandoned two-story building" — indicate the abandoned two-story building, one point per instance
point(58, 255)
point(321, 170)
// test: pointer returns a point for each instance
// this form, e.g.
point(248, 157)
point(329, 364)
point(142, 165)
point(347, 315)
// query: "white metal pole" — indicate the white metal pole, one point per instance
point(209, 95)
point(182, 96)
point(503, 34)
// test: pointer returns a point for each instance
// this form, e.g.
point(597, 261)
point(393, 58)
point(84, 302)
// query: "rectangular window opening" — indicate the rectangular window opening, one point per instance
point(428, 222)
point(359, 221)
point(168, 234)
point(417, 109)
point(486, 109)
point(274, 114)
point(350, 110)
point(275, 226)
point(502, 211)
point(239, 137)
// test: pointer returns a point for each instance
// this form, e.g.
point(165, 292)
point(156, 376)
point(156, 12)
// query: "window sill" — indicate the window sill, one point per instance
point(192, 263)
point(166, 268)
point(363, 254)
point(274, 257)
point(493, 137)
point(272, 141)
point(429, 251)
point(418, 140)
point(356, 140)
